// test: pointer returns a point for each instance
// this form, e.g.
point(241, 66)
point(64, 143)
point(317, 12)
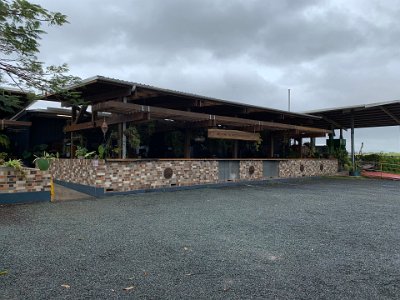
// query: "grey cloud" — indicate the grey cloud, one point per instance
point(330, 53)
point(272, 32)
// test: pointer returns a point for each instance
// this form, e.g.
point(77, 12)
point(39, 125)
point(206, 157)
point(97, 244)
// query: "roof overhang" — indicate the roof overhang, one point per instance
point(130, 112)
point(379, 114)
point(100, 89)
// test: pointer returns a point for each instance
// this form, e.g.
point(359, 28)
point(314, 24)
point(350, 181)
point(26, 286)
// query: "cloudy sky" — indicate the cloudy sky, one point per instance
point(329, 53)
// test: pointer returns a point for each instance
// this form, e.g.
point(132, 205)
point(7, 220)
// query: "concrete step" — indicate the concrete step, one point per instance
point(62, 193)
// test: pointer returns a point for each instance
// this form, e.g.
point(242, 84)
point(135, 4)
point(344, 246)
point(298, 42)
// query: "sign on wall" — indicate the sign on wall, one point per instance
point(232, 135)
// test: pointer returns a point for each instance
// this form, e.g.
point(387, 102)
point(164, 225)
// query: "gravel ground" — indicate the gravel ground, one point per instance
point(299, 239)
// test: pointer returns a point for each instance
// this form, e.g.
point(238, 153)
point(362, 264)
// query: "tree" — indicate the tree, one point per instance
point(21, 28)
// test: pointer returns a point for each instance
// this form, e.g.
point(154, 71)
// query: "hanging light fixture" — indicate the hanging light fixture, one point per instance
point(104, 127)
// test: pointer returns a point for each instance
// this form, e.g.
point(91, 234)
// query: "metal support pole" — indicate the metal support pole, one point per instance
point(124, 136)
point(186, 150)
point(272, 146)
point(120, 134)
point(235, 149)
point(331, 141)
point(312, 145)
point(353, 159)
point(71, 151)
point(301, 147)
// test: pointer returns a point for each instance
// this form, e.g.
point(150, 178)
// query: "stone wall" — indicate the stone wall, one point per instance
point(251, 169)
point(122, 176)
point(307, 167)
point(130, 175)
point(30, 180)
point(81, 171)
point(127, 176)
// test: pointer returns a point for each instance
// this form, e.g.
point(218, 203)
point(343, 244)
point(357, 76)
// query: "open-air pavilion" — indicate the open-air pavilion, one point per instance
point(127, 103)
point(211, 141)
point(154, 138)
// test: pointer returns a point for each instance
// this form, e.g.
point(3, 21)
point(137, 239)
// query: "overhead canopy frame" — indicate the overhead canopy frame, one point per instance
point(133, 112)
point(381, 114)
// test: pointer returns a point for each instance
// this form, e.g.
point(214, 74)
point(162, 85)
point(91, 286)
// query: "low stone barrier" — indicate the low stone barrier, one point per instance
point(99, 177)
point(307, 167)
point(30, 185)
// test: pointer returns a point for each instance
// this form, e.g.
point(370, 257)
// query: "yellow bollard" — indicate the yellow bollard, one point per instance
point(52, 198)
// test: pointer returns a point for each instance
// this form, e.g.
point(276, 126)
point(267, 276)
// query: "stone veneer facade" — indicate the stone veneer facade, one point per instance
point(30, 180)
point(251, 170)
point(127, 176)
point(131, 175)
point(122, 176)
point(307, 167)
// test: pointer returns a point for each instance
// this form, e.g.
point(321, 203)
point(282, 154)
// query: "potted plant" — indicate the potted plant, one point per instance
point(43, 162)
point(16, 164)
point(82, 152)
point(102, 151)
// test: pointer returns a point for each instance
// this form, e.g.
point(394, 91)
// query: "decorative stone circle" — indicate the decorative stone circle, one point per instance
point(168, 173)
point(301, 168)
point(321, 167)
point(251, 170)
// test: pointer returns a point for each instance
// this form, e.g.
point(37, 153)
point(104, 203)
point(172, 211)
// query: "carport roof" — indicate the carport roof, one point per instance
point(379, 114)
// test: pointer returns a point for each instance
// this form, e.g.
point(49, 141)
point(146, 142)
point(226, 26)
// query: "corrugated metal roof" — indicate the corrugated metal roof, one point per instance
point(134, 85)
point(353, 107)
point(379, 114)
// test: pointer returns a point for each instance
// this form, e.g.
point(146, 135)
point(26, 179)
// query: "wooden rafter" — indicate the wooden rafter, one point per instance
point(339, 126)
point(82, 111)
point(164, 113)
point(138, 117)
point(5, 123)
point(397, 120)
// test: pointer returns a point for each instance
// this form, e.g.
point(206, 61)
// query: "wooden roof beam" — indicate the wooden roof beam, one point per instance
point(116, 119)
point(114, 106)
point(390, 114)
point(82, 111)
point(5, 123)
point(338, 126)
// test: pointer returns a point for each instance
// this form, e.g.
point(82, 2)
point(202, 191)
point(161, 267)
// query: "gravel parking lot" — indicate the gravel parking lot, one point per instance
point(327, 238)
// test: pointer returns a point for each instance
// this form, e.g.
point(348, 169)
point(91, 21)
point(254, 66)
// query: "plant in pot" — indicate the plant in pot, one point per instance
point(102, 151)
point(82, 152)
point(15, 164)
point(43, 162)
